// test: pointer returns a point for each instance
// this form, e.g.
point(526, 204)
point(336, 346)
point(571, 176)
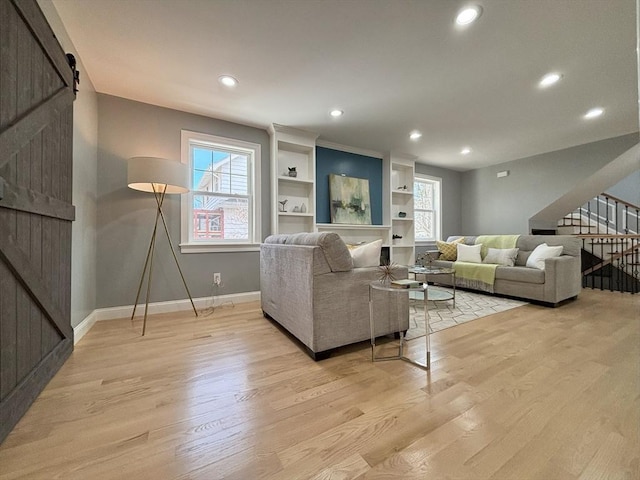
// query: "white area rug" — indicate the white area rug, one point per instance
point(469, 306)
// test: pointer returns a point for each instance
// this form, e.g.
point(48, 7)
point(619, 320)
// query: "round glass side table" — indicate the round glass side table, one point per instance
point(437, 294)
point(398, 326)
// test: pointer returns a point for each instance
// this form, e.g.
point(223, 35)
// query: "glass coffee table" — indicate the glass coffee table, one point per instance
point(398, 327)
point(436, 294)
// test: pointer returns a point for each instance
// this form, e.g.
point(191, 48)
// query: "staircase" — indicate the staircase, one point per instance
point(609, 228)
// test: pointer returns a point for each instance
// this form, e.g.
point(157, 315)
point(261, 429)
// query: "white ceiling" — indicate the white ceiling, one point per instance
point(392, 65)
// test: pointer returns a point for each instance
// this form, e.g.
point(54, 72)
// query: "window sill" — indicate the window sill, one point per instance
point(226, 248)
point(425, 243)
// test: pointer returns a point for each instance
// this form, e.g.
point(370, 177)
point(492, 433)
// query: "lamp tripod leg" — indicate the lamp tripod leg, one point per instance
point(146, 263)
point(159, 196)
point(166, 230)
point(146, 304)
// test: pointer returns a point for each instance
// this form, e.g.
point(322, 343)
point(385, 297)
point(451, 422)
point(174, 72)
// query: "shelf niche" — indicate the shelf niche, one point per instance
point(292, 148)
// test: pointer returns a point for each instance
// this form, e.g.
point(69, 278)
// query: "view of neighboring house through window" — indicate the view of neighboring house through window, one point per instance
point(426, 200)
point(220, 207)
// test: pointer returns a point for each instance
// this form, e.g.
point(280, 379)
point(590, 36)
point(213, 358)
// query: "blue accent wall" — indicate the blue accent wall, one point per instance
point(352, 165)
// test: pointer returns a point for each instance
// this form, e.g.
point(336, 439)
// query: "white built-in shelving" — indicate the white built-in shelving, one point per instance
point(399, 172)
point(292, 148)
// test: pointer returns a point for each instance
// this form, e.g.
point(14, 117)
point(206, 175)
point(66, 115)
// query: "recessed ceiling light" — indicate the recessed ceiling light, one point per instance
point(336, 113)
point(549, 79)
point(465, 151)
point(594, 112)
point(415, 135)
point(468, 15)
point(228, 81)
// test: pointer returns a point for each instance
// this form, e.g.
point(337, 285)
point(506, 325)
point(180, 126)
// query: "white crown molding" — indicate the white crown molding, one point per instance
point(283, 129)
point(346, 148)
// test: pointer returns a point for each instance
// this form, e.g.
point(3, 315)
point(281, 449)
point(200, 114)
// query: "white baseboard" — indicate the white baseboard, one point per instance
point(83, 327)
point(113, 313)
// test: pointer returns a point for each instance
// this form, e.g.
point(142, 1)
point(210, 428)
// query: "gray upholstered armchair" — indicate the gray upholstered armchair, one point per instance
point(309, 286)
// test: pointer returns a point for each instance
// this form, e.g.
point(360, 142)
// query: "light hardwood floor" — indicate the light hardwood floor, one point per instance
point(531, 393)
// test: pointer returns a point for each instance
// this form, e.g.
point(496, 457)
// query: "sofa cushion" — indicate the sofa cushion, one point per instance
point(449, 250)
point(466, 239)
point(571, 245)
point(278, 239)
point(501, 256)
point(334, 249)
point(520, 274)
point(523, 256)
point(366, 255)
point(469, 253)
point(541, 253)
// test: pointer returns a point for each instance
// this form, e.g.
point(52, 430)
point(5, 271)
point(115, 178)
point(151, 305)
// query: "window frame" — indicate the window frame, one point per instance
point(437, 211)
point(187, 244)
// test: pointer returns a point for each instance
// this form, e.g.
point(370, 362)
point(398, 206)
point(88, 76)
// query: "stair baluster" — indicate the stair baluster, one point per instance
point(610, 243)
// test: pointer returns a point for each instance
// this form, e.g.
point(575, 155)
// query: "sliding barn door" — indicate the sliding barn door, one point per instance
point(36, 123)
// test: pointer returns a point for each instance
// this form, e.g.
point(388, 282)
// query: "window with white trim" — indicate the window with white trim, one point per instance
point(427, 208)
point(222, 209)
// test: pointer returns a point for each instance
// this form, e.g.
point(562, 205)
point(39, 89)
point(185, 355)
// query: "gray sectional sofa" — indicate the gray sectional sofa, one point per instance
point(560, 280)
point(309, 286)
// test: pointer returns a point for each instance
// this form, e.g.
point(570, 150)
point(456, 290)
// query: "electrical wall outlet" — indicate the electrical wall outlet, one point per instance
point(217, 280)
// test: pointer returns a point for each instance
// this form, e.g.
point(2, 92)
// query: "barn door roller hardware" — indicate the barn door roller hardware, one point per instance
point(76, 74)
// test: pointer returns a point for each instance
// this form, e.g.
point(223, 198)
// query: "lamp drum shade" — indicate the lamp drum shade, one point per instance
point(147, 173)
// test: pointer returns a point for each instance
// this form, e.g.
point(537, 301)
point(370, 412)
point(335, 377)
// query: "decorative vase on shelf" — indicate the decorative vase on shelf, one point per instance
point(292, 172)
point(303, 208)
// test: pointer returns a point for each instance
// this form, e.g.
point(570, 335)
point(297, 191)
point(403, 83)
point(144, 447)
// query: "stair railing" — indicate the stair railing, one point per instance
point(612, 263)
point(610, 232)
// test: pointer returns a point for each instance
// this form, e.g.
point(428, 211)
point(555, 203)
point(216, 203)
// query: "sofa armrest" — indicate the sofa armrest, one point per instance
point(341, 307)
point(286, 286)
point(563, 278)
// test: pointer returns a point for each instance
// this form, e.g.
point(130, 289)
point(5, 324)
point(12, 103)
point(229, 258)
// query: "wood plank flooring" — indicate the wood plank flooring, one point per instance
point(531, 393)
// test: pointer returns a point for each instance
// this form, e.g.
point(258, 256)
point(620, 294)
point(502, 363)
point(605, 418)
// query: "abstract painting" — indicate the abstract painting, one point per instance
point(350, 201)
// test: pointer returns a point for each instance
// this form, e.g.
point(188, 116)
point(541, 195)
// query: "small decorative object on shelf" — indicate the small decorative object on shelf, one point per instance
point(282, 205)
point(296, 209)
point(387, 272)
point(396, 237)
point(303, 208)
point(402, 214)
point(293, 172)
point(403, 188)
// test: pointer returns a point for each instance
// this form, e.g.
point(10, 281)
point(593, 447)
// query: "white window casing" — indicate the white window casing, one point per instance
point(427, 208)
point(222, 212)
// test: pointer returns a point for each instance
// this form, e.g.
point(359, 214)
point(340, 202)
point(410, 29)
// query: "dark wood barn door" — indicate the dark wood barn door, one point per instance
point(36, 125)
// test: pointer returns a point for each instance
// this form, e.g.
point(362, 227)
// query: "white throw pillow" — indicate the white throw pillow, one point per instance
point(541, 253)
point(501, 256)
point(367, 255)
point(469, 253)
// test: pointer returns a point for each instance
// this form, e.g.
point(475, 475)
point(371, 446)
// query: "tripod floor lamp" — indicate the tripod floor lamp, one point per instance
point(160, 177)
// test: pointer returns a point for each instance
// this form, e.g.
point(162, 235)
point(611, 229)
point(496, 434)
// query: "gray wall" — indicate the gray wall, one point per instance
point(125, 217)
point(628, 189)
point(85, 159)
point(493, 205)
point(451, 196)
point(113, 223)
